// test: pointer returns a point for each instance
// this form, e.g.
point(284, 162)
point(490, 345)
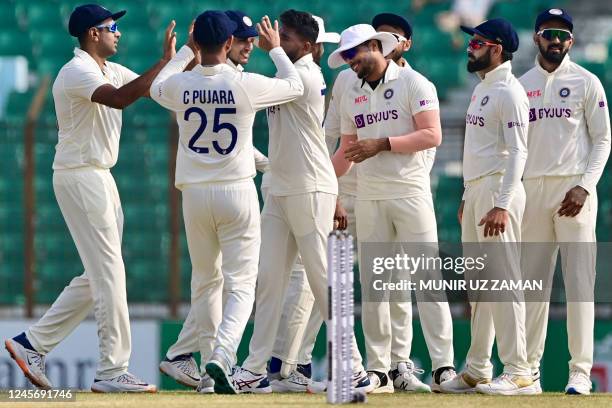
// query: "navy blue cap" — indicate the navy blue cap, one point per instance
point(498, 30)
point(88, 15)
point(213, 27)
point(554, 14)
point(394, 21)
point(246, 28)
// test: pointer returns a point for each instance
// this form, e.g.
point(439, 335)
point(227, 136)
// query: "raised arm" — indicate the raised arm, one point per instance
point(120, 98)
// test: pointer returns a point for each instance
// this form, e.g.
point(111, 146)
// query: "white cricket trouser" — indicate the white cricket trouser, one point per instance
point(387, 326)
point(300, 321)
point(503, 321)
point(222, 218)
point(290, 224)
point(541, 223)
point(190, 337)
point(89, 202)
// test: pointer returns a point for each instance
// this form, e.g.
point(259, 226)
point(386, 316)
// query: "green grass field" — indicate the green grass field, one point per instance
point(398, 400)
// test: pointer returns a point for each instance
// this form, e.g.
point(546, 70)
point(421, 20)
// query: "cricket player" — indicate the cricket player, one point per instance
point(299, 208)
point(179, 363)
point(493, 203)
point(300, 320)
point(389, 116)
point(569, 144)
point(89, 94)
point(216, 106)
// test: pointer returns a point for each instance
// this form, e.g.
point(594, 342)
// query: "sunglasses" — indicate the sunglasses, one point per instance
point(112, 27)
point(478, 44)
point(349, 54)
point(551, 33)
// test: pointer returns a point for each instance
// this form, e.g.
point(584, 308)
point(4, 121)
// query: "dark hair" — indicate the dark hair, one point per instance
point(212, 48)
point(506, 56)
point(302, 23)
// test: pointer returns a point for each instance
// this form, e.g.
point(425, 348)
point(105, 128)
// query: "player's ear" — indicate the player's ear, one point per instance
point(228, 43)
point(407, 45)
point(535, 38)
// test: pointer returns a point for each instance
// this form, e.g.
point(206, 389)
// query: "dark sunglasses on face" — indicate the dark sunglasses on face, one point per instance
point(112, 27)
point(478, 44)
point(551, 33)
point(349, 54)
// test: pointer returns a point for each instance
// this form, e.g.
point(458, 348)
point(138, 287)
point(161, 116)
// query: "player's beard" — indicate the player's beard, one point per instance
point(553, 57)
point(481, 63)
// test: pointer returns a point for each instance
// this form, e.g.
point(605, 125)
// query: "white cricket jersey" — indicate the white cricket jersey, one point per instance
point(347, 184)
point(215, 108)
point(569, 125)
point(88, 132)
point(299, 160)
point(388, 111)
point(496, 131)
point(262, 164)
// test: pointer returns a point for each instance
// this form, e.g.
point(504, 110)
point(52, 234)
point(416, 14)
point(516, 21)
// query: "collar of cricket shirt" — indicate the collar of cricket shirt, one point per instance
point(88, 59)
point(566, 61)
point(391, 74)
point(500, 72)
point(237, 67)
point(209, 70)
point(305, 60)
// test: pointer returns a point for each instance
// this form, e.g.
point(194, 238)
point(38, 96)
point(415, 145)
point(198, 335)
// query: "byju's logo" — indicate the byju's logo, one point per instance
point(359, 121)
point(532, 115)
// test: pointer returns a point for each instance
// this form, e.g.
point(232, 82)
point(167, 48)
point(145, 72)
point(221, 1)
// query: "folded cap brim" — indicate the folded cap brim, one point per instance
point(388, 41)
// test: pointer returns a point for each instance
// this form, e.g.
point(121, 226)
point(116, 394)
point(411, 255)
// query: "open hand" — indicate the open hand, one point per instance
point(573, 202)
point(169, 42)
point(269, 37)
point(495, 222)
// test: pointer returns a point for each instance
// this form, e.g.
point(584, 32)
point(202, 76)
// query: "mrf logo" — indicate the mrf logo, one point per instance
point(361, 99)
point(534, 94)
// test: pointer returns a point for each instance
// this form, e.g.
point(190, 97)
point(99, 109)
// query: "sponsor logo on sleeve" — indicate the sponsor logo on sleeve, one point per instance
point(359, 121)
point(427, 102)
point(602, 104)
point(515, 124)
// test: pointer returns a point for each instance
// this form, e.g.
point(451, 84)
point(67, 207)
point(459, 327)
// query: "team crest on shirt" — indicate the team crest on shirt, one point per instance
point(564, 92)
point(484, 101)
point(388, 94)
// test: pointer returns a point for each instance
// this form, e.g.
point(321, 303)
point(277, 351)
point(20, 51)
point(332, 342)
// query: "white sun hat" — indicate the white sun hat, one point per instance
point(356, 35)
point(325, 37)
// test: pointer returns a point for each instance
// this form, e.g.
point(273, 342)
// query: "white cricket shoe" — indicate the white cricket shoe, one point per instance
point(316, 387)
point(361, 382)
point(296, 382)
point(206, 385)
point(441, 375)
point(183, 369)
point(124, 383)
point(462, 384)
point(536, 382)
point(381, 384)
point(578, 384)
point(31, 362)
point(508, 384)
point(245, 381)
point(404, 379)
point(219, 368)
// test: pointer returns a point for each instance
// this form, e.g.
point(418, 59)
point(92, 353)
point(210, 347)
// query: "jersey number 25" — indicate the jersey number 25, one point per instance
point(217, 127)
